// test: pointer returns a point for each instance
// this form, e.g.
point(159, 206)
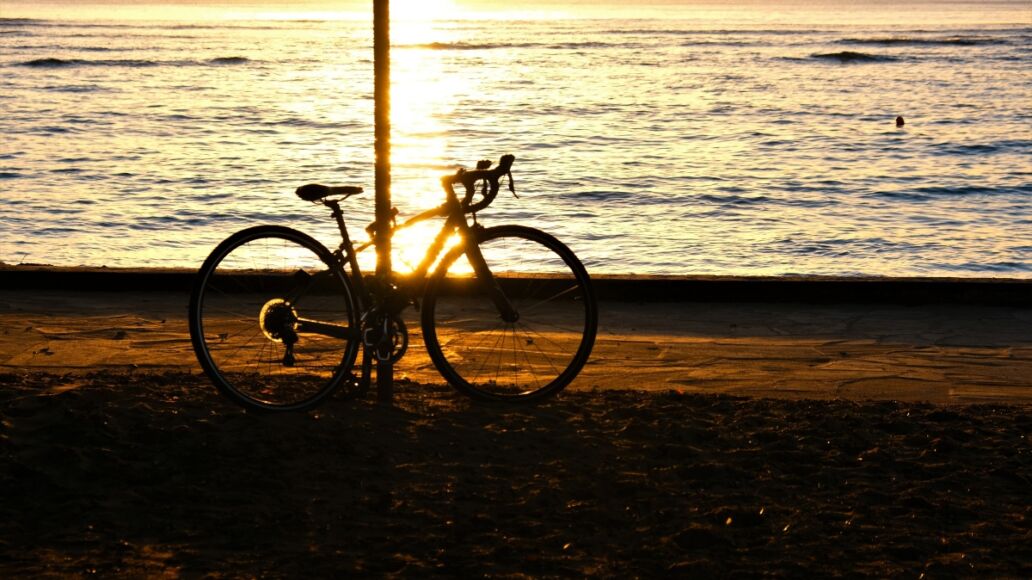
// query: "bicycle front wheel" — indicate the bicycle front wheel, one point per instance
point(273, 320)
point(530, 353)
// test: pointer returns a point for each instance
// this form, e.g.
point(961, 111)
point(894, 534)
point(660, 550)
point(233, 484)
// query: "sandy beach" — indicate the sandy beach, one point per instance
point(944, 353)
point(703, 438)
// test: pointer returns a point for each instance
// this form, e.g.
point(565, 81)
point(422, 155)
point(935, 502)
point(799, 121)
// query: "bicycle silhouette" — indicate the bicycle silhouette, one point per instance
point(507, 313)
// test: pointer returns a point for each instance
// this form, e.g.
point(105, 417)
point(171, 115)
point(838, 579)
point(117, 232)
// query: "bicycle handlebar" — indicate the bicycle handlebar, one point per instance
point(470, 178)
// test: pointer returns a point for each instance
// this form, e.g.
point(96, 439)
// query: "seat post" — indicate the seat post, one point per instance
point(338, 215)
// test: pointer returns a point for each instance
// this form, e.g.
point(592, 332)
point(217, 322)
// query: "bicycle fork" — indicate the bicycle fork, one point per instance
point(506, 310)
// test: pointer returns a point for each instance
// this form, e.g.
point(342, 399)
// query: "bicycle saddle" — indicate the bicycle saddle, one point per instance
point(315, 192)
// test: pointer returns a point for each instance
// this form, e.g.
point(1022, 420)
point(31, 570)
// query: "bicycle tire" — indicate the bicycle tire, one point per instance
point(475, 350)
point(253, 296)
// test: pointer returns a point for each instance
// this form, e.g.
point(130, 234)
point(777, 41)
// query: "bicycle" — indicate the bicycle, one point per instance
point(277, 319)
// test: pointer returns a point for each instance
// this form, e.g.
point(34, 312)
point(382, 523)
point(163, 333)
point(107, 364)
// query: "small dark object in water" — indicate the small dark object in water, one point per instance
point(900, 122)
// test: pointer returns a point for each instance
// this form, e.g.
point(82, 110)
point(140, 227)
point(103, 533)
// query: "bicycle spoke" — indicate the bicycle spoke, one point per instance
point(551, 298)
point(500, 348)
point(488, 359)
point(544, 355)
point(252, 287)
point(568, 328)
point(247, 342)
point(484, 333)
point(515, 361)
point(530, 368)
point(541, 335)
point(533, 356)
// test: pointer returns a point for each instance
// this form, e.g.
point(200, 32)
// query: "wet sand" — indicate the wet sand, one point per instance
point(856, 452)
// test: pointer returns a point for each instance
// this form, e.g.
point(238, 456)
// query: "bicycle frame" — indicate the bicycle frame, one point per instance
point(470, 324)
point(415, 283)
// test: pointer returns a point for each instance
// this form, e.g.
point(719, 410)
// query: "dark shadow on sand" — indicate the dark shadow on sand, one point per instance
point(137, 475)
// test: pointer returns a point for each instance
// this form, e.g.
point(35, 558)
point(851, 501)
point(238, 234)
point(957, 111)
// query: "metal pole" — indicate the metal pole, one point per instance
point(382, 108)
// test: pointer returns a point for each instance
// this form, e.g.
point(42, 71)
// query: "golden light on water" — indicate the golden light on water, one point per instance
point(717, 144)
point(424, 96)
point(421, 10)
point(401, 11)
point(422, 103)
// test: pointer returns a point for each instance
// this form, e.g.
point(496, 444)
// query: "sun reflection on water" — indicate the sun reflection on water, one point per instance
point(421, 103)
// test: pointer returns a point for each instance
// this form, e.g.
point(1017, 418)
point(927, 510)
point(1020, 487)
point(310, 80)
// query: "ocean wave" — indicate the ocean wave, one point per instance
point(988, 267)
point(944, 191)
point(19, 21)
point(59, 47)
point(970, 149)
point(849, 56)
point(230, 60)
point(1017, 190)
point(59, 231)
point(710, 32)
point(605, 195)
point(733, 199)
point(297, 122)
point(51, 62)
point(722, 42)
point(52, 129)
point(465, 45)
point(143, 37)
point(926, 41)
point(509, 45)
point(230, 26)
point(978, 149)
point(74, 88)
point(592, 44)
point(143, 25)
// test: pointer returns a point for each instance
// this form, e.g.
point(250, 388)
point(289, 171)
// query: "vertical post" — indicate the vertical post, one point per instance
point(382, 113)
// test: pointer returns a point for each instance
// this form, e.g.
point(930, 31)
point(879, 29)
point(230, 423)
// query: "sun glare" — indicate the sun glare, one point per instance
point(402, 10)
point(422, 103)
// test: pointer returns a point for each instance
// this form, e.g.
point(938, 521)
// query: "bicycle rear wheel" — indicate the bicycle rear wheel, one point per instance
point(273, 320)
point(540, 350)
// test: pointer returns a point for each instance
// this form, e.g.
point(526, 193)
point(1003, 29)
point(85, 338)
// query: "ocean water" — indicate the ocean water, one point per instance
point(753, 144)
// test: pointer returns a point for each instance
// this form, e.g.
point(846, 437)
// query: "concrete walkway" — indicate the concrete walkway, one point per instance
point(939, 353)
